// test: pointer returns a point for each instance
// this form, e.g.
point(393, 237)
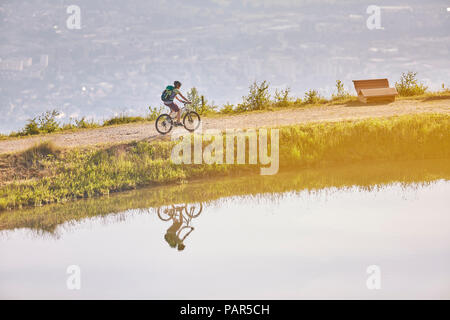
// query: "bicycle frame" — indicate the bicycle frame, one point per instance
point(184, 109)
point(178, 211)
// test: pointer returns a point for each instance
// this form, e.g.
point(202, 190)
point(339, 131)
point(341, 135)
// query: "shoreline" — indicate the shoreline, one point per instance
point(364, 175)
point(60, 176)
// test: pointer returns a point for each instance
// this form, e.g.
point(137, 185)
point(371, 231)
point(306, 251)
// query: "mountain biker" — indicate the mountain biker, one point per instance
point(167, 97)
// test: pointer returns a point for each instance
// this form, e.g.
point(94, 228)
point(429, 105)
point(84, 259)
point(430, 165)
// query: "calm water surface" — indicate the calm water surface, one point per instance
point(292, 244)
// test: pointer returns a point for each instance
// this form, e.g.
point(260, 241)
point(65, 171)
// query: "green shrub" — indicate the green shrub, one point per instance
point(44, 123)
point(257, 99)
point(31, 127)
point(196, 100)
point(341, 93)
point(282, 98)
point(47, 121)
point(199, 103)
point(313, 97)
point(227, 108)
point(84, 124)
point(409, 85)
point(154, 113)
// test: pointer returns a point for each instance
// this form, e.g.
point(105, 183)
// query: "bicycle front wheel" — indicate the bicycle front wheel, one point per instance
point(164, 124)
point(191, 121)
point(193, 210)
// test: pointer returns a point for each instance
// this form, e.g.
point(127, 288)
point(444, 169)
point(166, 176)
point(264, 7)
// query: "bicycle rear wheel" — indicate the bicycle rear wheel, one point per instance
point(191, 121)
point(164, 123)
point(165, 213)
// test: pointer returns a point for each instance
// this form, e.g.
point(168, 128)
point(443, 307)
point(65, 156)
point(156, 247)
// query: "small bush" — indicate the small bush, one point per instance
point(409, 85)
point(313, 97)
point(31, 127)
point(282, 98)
point(444, 90)
point(199, 103)
point(84, 124)
point(341, 93)
point(227, 108)
point(154, 113)
point(257, 99)
point(47, 121)
point(44, 123)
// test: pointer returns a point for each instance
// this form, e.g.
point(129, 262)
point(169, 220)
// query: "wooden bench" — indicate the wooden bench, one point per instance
point(374, 90)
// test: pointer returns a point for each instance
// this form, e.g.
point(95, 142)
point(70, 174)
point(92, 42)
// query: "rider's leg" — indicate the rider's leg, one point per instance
point(172, 112)
point(176, 109)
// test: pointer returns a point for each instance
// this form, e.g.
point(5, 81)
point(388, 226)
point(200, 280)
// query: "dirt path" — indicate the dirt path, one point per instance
point(140, 131)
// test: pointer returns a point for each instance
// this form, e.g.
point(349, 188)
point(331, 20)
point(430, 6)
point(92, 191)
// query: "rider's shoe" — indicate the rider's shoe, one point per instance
point(177, 124)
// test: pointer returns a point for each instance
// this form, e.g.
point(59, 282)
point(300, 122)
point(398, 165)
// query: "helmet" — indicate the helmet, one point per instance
point(177, 84)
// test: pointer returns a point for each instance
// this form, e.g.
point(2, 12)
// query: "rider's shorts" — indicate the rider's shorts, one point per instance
point(172, 106)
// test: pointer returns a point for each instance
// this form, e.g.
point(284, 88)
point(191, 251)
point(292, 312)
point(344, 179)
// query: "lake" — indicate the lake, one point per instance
point(302, 234)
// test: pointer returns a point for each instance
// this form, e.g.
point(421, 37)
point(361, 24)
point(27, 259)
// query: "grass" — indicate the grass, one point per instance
point(38, 152)
point(366, 176)
point(91, 172)
point(432, 95)
point(50, 125)
point(122, 119)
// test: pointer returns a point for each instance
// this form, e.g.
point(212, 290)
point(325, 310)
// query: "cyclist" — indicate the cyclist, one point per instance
point(170, 93)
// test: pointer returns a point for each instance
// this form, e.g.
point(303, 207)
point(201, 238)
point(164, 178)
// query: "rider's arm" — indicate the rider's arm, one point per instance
point(185, 100)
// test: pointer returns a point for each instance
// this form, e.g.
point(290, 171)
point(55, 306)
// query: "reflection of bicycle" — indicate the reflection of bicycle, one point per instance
point(181, 217)
point(165, 122)
point(165, 213)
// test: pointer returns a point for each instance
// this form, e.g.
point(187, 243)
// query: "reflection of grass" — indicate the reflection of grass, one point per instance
point(366, 175)
point(87, 173)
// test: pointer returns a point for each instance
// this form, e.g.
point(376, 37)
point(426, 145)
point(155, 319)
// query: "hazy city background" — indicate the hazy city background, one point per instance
point(126, 52)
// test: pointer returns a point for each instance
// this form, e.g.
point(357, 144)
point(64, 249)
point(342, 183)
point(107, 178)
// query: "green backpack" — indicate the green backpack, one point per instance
point(167, 93)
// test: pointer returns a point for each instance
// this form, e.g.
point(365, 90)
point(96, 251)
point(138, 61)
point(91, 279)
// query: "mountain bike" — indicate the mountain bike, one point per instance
point(165, 122)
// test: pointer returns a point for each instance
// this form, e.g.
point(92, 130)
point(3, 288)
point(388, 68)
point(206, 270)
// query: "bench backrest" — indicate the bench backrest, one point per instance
point(370, 84)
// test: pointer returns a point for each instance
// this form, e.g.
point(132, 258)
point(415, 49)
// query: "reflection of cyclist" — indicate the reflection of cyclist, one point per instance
point(171, 235)
point(180, 228)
